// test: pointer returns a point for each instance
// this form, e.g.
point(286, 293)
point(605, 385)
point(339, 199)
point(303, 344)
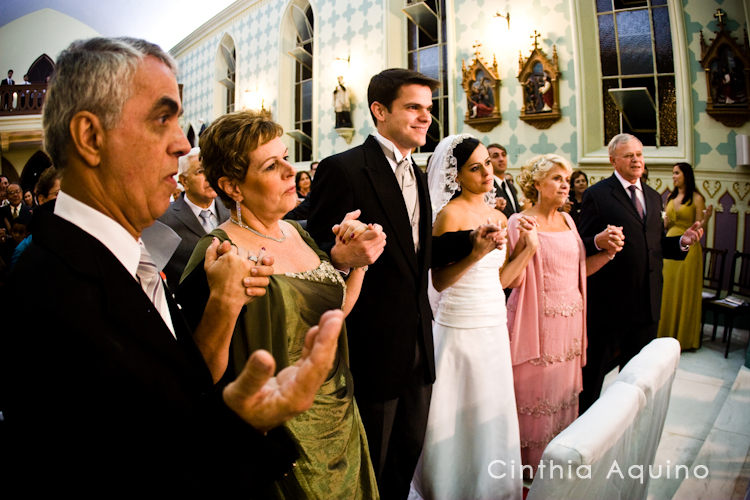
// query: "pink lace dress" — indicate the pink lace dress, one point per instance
point(547, 327)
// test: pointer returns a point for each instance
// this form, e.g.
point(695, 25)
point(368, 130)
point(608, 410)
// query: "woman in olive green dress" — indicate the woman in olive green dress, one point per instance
point(246, 163)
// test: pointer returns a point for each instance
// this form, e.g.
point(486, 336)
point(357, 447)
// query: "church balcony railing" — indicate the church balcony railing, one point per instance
point(22, 99)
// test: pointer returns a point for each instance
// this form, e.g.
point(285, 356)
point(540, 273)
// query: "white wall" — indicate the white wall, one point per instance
point(44, 31)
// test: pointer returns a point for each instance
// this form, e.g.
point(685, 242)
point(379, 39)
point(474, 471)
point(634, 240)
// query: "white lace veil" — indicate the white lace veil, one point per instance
point(442, 171)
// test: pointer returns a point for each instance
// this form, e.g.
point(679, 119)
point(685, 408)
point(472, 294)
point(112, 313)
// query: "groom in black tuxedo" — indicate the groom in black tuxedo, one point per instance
point(390, 331)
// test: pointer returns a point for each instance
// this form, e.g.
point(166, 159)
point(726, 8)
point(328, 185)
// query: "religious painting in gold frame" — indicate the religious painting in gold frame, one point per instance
point(727, 66)
point(482, 88)
point(539, 77)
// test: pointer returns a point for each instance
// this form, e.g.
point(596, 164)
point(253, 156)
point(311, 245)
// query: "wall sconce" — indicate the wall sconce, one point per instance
point(505, 16)
point(252, 100)
point(341, 67)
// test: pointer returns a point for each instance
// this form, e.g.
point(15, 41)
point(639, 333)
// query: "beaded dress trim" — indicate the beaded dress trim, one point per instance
point(324, 273)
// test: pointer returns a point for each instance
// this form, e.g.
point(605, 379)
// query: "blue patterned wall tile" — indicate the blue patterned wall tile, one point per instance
point(729, 149)
point(543, 146)
point(570, 149)
point(700, 148)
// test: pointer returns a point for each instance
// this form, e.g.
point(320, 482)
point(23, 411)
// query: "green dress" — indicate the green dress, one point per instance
point(683, 283)
point(334, 457)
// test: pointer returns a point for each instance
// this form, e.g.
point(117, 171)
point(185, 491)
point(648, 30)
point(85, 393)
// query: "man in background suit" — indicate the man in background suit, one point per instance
point(506, 199)
point(389, 329)
point(106, 390)
point(624, 297)
point(16, 210)
point(7, 81)
point(193, 215)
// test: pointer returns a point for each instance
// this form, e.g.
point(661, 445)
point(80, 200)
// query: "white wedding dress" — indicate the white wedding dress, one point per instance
point(472, 445)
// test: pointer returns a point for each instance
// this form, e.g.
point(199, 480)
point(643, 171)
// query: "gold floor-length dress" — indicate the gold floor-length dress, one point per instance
point(683, 284)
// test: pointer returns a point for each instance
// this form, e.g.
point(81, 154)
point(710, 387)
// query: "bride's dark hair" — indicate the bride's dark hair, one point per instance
point(463, 151)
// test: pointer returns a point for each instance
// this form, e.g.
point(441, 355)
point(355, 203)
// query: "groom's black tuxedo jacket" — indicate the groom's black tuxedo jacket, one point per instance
point(392, 317)
point(96, 391)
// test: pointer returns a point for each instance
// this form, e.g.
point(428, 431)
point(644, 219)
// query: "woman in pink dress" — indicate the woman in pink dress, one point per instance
point(547, 308)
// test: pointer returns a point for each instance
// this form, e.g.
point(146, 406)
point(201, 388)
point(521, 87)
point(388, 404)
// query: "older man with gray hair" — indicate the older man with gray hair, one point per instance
point(624, 297)
point(194, 214)
point(106, 392)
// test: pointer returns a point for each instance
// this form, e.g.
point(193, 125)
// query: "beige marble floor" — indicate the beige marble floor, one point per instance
point(706, 434)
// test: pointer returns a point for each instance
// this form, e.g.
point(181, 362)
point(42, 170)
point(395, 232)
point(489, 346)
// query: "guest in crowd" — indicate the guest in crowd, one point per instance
point(506, 197)
point(624, 300)
point(48, 185)
point(303, 181)
point(4, 183)
point(683, 279)
point(28, 199)
point(246, 163)
point(579, 182)
point(46, 189)
point(120, 395)
point(302, 211)
point(472, 419)
point(547, 308)
point(16, 210)
point(192, 215)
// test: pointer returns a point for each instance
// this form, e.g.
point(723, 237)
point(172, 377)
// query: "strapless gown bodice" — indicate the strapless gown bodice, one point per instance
point(476, 300)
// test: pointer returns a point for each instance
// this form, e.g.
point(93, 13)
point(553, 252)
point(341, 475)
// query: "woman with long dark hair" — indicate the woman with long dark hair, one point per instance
point(683, 279)
point(579, 182)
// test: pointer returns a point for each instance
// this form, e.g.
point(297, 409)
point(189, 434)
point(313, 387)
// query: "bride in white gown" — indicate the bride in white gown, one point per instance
point(472, 444)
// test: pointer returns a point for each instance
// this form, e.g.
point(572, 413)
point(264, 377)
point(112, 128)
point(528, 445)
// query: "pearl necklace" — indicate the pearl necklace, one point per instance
point(245, 226)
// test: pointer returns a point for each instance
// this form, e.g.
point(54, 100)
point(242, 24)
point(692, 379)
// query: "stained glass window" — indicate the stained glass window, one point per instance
point(635, 50)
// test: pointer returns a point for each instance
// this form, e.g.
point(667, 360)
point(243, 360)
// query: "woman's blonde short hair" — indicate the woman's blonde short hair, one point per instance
point(535, 170)
point(227, 143)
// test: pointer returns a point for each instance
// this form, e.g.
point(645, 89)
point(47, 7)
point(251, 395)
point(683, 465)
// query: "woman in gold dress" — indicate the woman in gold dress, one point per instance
point(683, 279)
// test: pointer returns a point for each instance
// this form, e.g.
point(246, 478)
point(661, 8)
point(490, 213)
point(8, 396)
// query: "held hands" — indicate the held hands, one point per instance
point(500, 203)
point(611, 240)
point(223, 265)
point(357, 244)
point(692, 235)
point(264, 401)
point(486, 238)
point(528, 235)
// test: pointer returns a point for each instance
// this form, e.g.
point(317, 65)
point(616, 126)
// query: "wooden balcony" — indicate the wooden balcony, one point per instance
point(22, 99)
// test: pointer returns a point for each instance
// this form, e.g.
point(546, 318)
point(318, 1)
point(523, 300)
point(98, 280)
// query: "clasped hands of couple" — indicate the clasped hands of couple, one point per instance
point(363, 243)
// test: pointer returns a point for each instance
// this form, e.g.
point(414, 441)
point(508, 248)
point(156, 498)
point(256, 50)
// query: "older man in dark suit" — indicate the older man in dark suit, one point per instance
point(106, 391)
point(192, 215)
point(16, 210)
point(624, 297)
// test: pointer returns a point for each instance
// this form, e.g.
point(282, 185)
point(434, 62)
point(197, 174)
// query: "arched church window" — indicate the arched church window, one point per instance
point(226, 62)
point(427, 52)
point(303, 20)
